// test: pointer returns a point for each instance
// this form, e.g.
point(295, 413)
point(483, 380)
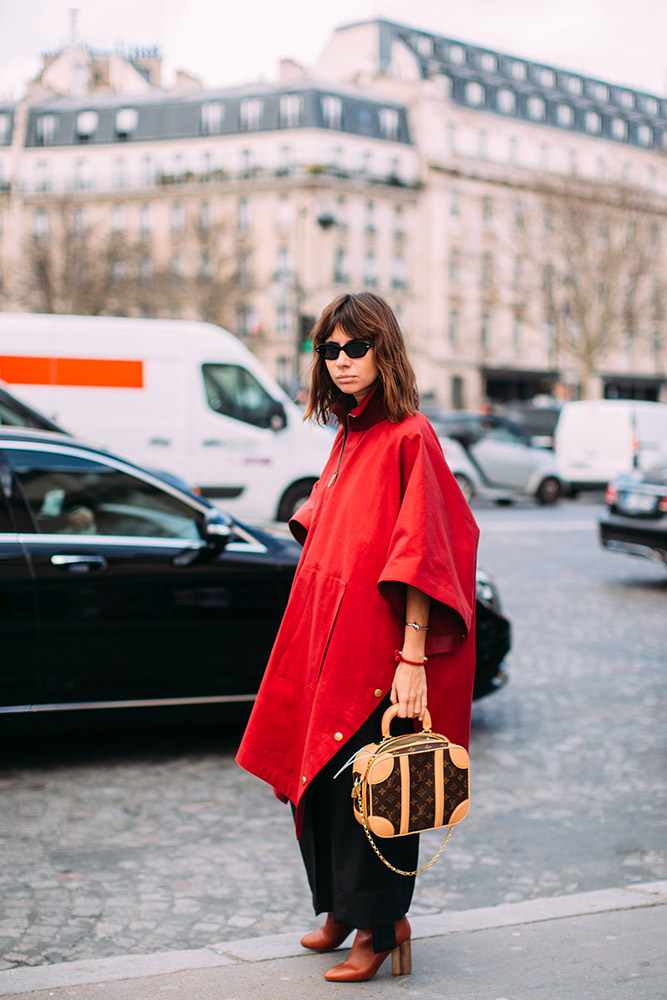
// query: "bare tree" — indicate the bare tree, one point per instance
point(73, 268)
point(598, 265)
point(82, 269)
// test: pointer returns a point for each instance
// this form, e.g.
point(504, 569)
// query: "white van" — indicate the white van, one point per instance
point(597, 440)
point(186, 398)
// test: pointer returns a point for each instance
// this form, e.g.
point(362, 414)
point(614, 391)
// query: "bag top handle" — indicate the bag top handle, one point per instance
point(391, 714)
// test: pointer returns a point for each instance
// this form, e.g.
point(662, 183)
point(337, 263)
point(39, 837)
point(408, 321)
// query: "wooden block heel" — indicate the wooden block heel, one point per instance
point(401, 960)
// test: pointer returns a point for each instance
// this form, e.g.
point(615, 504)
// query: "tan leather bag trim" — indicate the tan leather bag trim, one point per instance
point(405, 795)
point(439, 771)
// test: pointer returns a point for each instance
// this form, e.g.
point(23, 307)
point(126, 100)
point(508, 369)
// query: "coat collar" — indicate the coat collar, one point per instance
point(369, 412)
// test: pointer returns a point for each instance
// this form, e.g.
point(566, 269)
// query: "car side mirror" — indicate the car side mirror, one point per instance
point(218, 529)
point(278, 417)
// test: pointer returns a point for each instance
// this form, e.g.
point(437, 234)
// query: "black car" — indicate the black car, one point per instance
point(635, 518)
point(120, 589)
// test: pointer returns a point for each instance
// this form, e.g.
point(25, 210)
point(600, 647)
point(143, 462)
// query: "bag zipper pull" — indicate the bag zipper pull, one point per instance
point(333, 479)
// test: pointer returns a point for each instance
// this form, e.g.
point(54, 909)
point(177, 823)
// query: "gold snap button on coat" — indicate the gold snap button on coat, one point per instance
point(378, 692)
point(338, 737)
point(303, 780)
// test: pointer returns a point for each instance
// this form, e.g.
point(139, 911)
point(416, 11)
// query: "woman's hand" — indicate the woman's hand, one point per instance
point(408, 689)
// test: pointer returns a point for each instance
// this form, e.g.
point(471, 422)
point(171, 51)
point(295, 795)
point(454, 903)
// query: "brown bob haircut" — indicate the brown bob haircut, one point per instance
point(364, 316)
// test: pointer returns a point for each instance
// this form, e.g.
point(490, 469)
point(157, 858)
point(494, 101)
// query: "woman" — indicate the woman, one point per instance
point(388, 564)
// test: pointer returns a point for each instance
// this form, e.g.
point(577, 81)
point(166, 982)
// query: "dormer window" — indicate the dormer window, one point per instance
point(536, 109)
point(507, 101)
point(291, 110)
point(332, 110)
point(488, 62)
point(518, 70)
point(251, 113)
point(644, 135)
point(46, 129)
point(619, 128)
point(212, 115)
point(127, 120)
point(547, 77)
point(457, 54)
point(565, 115)
point(593, 122)
point(574, 84)
point(626, 99)
point(475, 94)
point(389, 123)
point(425, 45)
point(86, 124)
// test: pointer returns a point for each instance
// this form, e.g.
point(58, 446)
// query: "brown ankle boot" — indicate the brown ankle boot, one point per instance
point(362, 963)
point(327, 937)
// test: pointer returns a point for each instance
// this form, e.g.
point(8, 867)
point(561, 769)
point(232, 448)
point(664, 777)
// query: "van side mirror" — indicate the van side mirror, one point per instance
point(277, 417)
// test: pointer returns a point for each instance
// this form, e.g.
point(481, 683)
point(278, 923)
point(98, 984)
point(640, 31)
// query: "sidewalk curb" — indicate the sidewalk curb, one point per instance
point(262, 949)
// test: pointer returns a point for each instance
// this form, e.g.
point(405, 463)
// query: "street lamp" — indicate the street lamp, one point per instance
point(326, 221)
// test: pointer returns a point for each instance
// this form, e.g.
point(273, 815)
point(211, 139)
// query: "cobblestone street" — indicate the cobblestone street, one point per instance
point(135, 842)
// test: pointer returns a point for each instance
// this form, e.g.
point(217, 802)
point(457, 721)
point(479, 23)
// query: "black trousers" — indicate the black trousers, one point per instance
point(345, 875)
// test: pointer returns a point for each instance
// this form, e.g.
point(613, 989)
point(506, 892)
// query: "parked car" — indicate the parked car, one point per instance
point(537, 417)
point(118, 588)
point(493, 458)
point(635, 517)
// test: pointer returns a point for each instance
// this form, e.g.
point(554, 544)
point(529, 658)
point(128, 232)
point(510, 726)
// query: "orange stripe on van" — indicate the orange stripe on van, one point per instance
point(90, 372)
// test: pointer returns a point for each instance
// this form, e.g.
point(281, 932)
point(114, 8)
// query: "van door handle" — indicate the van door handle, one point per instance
point(160, 442)
point(79, 564)
point(213, 443)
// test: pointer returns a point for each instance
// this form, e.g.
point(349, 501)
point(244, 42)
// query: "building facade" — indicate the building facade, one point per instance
point(462, 184)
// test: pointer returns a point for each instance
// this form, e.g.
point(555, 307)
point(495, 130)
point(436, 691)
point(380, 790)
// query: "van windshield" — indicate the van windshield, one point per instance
point(232, 391)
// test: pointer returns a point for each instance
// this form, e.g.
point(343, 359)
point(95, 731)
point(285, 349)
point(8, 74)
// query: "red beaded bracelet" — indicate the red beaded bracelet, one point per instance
point(399, 658)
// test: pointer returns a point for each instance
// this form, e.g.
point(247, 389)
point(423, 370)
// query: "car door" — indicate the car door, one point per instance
point(133, 606)
point(18, 616)
point(504, 456)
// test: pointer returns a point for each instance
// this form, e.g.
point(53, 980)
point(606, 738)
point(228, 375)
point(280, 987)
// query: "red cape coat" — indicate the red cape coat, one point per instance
point(393, 515)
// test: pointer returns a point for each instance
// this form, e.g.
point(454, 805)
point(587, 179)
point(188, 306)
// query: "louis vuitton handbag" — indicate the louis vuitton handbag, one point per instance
point(408, 784)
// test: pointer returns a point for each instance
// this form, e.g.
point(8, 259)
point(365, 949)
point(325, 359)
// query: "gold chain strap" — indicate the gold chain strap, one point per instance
point(399, 871)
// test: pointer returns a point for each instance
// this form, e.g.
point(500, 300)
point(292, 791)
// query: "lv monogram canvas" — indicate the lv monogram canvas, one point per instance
point(410, 783)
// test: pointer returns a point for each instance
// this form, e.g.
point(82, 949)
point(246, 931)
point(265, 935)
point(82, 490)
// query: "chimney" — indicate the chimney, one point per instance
point(291, 70)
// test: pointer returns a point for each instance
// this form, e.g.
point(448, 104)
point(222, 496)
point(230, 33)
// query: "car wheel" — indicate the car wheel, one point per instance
point(464, 485)
point(549, 491)
point(504, 501)
point(293, 497)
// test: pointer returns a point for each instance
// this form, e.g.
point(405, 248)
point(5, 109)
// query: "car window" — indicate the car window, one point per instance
point(72, 495)
point(234, 392)
point(498, 432)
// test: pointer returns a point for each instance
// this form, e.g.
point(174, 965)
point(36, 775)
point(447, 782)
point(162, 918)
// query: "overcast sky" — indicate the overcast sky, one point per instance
point(234, 41)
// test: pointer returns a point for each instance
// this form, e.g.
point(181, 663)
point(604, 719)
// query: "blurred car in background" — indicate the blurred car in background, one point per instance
point(538, 418)
point(120, 589)
point(597, 440)
point(494, 459)
point(635, 517)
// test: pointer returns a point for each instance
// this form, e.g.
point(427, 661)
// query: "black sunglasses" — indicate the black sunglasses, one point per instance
point(353, 349)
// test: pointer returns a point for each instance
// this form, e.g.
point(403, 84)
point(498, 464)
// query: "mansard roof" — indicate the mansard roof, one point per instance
point(163, 115)
point(490, 80)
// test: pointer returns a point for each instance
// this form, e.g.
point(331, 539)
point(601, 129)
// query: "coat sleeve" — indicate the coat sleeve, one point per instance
point(433, 544)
